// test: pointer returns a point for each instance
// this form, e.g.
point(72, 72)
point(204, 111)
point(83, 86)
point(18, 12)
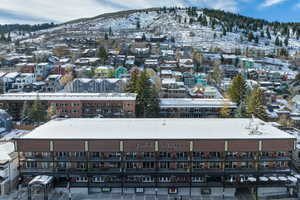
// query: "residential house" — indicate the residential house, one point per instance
point(53, 83)
point(42, 70)
point(22, 80)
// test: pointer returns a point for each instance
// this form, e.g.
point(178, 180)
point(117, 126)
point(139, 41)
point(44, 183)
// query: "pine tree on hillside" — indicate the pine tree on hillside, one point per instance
point(256, 105)
point(237, 89)
point(268, 34)
point(277, 41)
point(286, 41)
point(102, 54)
point(250, 36)
point(106, 36)
point(256, 40)
point(110, 31)
point(224, 31)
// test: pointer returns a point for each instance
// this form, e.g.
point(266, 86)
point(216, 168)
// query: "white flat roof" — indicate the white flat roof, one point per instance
point(67, 96)
point(81, 128)
point(192, 103)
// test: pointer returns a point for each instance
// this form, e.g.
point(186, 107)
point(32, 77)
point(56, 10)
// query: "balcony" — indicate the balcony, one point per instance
point(139, 184)
point(274, 170)
point(102, 159)
point(240, 170)
point(208, 159)
point(274, 158)
point(36, 170)
point(207, 184)
point(139, 159)
point(37, 158)
point(106, 184)
point(71, 158)
point(207, 171)
point(175, 159)
point(173, 170)
point(104, 170)
point(173, 184)
point(69, 170)
point(240, 158)
point(139, 170)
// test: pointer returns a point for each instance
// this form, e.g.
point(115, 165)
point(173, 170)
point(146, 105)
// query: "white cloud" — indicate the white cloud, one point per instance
point(268, 3)
point(65, 10)
point(297, 5)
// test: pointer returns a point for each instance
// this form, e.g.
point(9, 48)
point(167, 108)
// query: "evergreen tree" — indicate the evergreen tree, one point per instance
point(237, 89)
point(8, 39)
point(2, 38)
point(144, 37)
point(250, 36)
point(262, 34)
point(286, 41)
point(256, 39)
point(277, 41)
point(138, 24)
point(110, 31)
point(106, 36)
point(241, 111)
point(298, 34)
point(102, 54)
point(268, 34)
point(215, 35)
point(153, 104)
point(37, 112)
point(256, 105)
point(25, 111)
point(133, 82)
point(224, 31)
point(147, 96)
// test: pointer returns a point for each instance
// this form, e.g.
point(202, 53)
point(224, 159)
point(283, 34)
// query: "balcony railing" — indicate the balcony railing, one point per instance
point(36, 170)
point(276, 158)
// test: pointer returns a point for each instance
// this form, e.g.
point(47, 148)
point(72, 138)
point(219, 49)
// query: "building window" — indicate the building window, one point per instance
point(80, 179)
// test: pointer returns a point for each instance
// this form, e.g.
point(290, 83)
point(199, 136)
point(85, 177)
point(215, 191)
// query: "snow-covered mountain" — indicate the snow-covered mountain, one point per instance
point(198, 28)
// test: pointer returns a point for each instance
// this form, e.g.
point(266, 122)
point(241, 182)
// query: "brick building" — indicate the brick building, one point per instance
point(74, 105)
point(160, 156)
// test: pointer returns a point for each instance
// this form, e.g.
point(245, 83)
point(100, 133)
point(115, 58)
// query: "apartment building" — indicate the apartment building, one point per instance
point(201, 157)
point(194, 108)
point(75, 105)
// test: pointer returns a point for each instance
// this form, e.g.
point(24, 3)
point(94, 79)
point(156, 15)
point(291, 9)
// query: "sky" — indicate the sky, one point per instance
point(58, 11)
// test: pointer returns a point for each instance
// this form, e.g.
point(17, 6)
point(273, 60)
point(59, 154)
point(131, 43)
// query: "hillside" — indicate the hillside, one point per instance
point(203, 28)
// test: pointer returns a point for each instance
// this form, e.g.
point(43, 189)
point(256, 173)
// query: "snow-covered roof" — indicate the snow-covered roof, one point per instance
point(6, 149)
point(41, 179)
point(213, 128)
point(68, 96)
point(12, 75)
point(199, 103)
